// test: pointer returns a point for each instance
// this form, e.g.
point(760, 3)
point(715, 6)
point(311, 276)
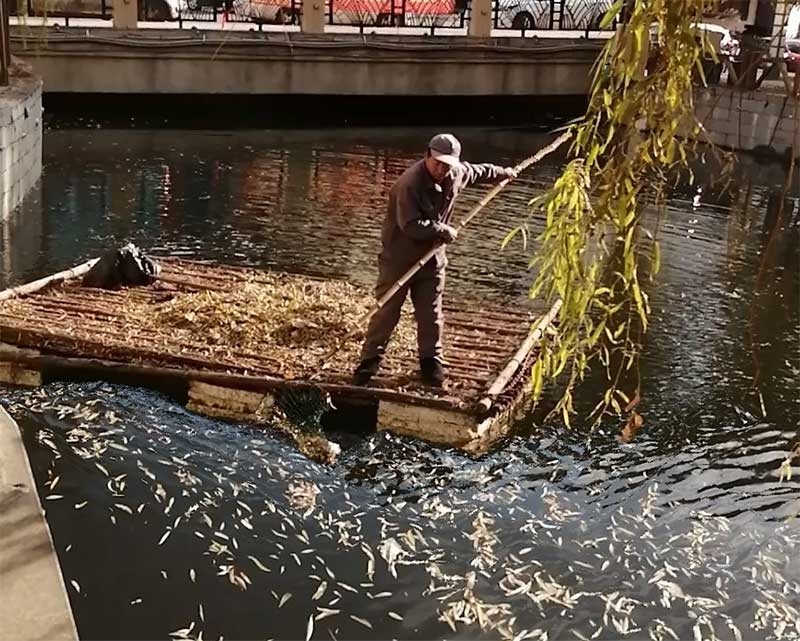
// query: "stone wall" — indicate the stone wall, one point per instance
point(155, 61)
point(20, 140)
point(758, 121)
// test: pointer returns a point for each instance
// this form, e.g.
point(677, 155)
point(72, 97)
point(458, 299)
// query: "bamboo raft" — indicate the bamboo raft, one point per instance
point(55, 326)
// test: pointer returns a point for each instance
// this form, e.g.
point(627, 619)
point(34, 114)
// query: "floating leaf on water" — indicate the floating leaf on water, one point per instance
point(310, 627)
point(391, 551)
point(786, 470)
point(363, 622)
point(370, 560)
point(326, 612)
point(183, 632)
point(320, 591)
point(631, 428)
point(258, 564)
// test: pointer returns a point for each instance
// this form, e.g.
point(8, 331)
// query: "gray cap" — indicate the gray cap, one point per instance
point(445, 148)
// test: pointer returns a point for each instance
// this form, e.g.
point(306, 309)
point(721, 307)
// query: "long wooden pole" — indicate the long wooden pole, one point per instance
point(515, 363)
point(35, 286)
point(544, 151)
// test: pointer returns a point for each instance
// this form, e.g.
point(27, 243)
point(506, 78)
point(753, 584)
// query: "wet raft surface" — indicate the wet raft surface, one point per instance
point(268, 330)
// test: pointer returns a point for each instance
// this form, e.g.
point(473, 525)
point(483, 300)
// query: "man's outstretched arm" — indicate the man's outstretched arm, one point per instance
point(486, 172)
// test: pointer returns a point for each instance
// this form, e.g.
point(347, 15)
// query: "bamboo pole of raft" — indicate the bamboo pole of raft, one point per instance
point(544, 151)
point(36, 285)
point(499, 384)
point(263, 384)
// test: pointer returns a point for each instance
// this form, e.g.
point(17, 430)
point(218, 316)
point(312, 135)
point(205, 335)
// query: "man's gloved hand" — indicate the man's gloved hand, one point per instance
point(510, 172)
point(447, 233)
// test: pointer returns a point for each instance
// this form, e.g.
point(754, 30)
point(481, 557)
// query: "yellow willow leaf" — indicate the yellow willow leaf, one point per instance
point(611, 14)
point(510, 236)
point(597, 331)
point(656, 262)
point(637, 295)
point(538, 382)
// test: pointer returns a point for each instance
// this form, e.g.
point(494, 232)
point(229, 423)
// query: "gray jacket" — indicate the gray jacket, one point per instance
point(417, 208)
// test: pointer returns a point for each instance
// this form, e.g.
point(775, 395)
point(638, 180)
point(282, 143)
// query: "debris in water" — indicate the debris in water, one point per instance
point(363, 622)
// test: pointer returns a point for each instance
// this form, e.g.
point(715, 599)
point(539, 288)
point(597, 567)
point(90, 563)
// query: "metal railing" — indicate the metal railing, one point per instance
point(429, 15)
point(551, 15)
point(426, 14)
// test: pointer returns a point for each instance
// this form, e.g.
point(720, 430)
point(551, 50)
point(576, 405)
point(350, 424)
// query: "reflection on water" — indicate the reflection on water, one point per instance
point(308, 202)
point(169, 521)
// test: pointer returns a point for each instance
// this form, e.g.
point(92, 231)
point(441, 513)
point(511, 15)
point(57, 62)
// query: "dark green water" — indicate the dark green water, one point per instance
point(558, 535)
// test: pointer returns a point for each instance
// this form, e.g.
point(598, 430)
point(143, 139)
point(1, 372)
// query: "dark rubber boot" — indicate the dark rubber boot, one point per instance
point(366, 370)
point(432, 372)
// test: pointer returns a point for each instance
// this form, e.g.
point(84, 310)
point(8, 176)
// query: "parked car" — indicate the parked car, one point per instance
point(268, 11)
point(543, 14)
point(148, 9)
point(162, 10)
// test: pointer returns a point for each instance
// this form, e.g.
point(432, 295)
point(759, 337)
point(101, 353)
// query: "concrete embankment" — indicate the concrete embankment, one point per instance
point(34, 603)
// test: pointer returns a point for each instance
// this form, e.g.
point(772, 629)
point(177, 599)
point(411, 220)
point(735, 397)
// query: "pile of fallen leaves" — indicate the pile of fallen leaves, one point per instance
point(294, 319)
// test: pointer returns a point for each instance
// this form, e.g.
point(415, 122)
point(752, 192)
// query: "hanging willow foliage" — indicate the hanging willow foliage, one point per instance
point(595, 248)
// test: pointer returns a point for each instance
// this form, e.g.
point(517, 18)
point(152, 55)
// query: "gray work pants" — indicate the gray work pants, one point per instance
point(426, 287)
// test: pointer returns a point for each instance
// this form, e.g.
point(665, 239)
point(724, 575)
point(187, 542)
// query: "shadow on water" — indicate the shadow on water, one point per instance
point(167, 521)
point(297, 112)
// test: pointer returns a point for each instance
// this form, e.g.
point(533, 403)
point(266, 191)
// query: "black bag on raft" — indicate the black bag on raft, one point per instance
point(123, 267)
